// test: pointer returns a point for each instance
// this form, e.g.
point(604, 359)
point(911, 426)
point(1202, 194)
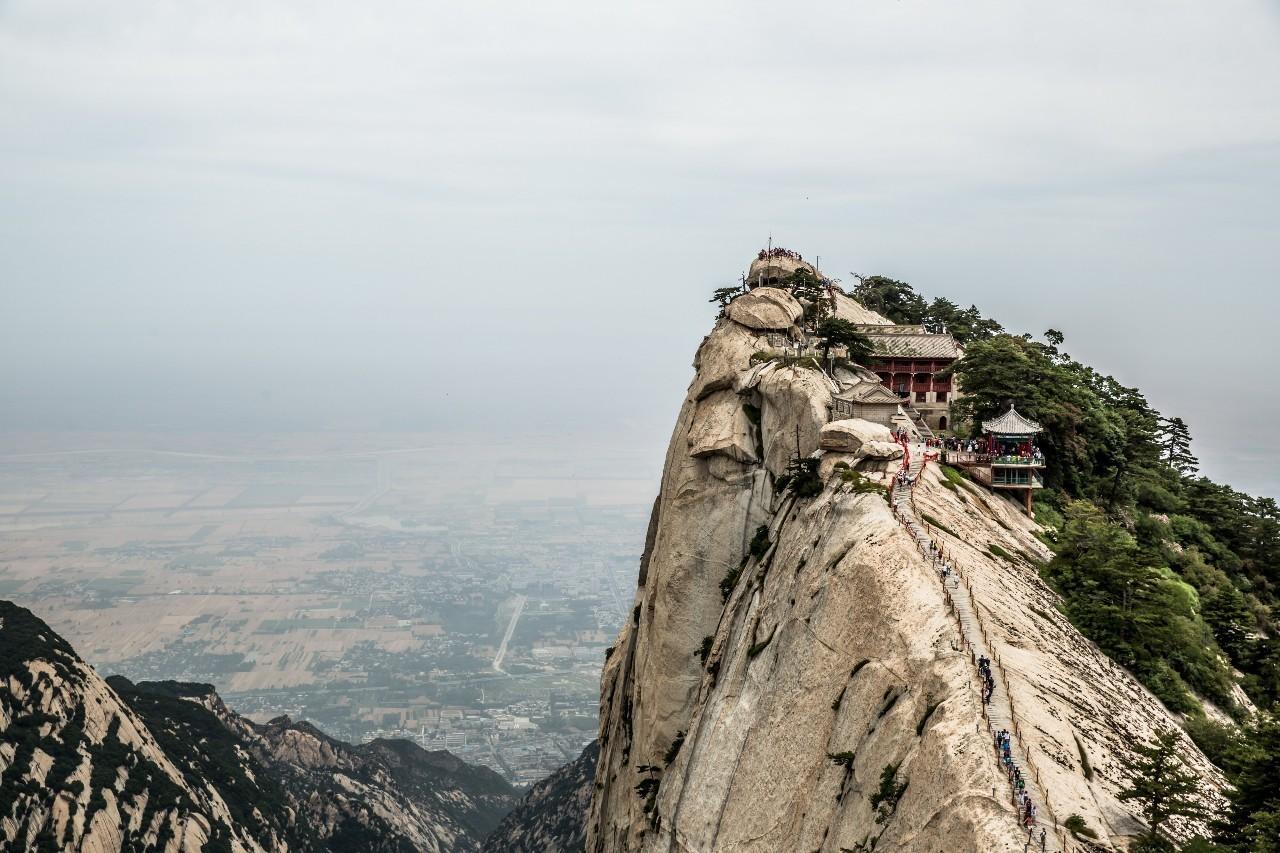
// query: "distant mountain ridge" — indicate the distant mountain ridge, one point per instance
point(552, 816)
point(93, 764)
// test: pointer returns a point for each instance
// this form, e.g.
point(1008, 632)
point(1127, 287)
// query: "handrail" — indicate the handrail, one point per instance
point(1060, 833)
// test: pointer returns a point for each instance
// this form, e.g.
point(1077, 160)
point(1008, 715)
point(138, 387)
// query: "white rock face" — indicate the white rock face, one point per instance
point(765, 309)
point(721, 426)
point(835, 640)
point(852, 434)
point(847, 308)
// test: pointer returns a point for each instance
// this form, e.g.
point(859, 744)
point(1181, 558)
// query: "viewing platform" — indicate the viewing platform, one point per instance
point(1010, 459)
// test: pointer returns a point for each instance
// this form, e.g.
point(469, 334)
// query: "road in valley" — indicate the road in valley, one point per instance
point(521, 600)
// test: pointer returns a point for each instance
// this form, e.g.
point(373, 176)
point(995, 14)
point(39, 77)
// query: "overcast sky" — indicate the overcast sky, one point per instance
point(505, 216)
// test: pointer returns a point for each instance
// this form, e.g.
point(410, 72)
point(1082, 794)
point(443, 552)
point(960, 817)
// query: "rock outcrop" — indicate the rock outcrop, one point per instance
point(552, 817)
point(792, 678)
point(88, 764)
point(859, 437)
point(765, 309)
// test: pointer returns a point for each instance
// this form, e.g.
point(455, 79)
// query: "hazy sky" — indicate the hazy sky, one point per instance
point(502, 216)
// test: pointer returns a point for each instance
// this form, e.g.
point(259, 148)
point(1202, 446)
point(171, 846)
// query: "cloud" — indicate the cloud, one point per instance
point(296, 195)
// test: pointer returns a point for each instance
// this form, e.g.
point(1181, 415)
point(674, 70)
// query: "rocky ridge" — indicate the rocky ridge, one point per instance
point(88, 764)
point(792, 676)
point(552, 816)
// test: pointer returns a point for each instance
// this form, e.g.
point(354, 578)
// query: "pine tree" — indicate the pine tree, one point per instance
point(725, 295)
point(1175, 443)
point(1253, 824)
point(837, 332)
point(1162, 787)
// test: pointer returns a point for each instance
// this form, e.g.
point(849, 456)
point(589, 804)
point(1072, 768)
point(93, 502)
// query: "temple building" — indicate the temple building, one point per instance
point(1008, 459)
point(869, 401)
point(908, 360)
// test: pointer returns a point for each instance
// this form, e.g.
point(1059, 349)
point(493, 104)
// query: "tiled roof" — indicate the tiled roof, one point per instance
point(869, 392)
point(1011, 423)
point(921, 345)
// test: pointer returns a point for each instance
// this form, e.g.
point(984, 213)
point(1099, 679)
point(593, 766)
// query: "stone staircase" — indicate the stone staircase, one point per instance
point(998, 713)
point(918, 420)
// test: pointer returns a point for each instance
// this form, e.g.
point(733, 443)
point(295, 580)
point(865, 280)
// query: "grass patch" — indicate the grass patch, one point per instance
point(952, 477)
point(860, 484)
point(933, 522)
point(1000, 553)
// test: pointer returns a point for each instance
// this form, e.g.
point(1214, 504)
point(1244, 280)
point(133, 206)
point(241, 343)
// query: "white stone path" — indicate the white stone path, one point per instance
point(999, 712)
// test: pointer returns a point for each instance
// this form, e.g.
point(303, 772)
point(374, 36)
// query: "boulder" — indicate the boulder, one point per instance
point(882, 450)
point(721, 426)
point(765, 309)
point(854, 435)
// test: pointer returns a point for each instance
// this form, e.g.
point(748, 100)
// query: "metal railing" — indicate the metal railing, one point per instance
point(936, 554)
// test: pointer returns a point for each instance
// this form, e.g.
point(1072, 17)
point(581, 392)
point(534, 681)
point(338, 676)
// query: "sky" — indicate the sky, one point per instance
point(496, 217)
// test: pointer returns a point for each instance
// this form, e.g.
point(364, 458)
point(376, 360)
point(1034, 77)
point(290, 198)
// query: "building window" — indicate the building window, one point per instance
point(922, 396)
point(941, 398)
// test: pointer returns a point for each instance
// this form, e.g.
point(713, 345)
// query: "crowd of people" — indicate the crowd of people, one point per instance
point(988, 681)
point(1003, 741)
point(1004, 749)
point(765, 254)
point(1026, 452)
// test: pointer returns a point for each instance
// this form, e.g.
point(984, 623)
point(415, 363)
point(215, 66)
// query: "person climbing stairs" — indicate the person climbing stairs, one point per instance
point(998, 705)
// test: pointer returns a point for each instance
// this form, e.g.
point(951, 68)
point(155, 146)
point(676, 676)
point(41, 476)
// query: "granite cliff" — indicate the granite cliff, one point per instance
point(793, 677)
point(96, 765)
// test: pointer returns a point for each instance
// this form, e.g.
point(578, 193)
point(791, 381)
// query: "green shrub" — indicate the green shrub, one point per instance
point(885, 799)
point(860, 484)
point(760, 542)
point(729, 582)
point(801, 478)
point(674, 749)
point(1000, 553)
point(705, 648)
point(844, 759)
point(1216, 741)
point(1076, 826)
point(933, 522)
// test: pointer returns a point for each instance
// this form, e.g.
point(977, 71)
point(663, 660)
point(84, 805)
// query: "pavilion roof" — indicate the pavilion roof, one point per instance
point(869, 392)
point(911, 344)
point(1011, 423)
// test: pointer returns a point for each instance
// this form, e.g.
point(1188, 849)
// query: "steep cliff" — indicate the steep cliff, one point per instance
point(793, 676)
point(552, 816)
point(94, 765)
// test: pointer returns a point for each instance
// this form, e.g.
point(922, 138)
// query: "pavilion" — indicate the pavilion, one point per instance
point(1010, 460)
